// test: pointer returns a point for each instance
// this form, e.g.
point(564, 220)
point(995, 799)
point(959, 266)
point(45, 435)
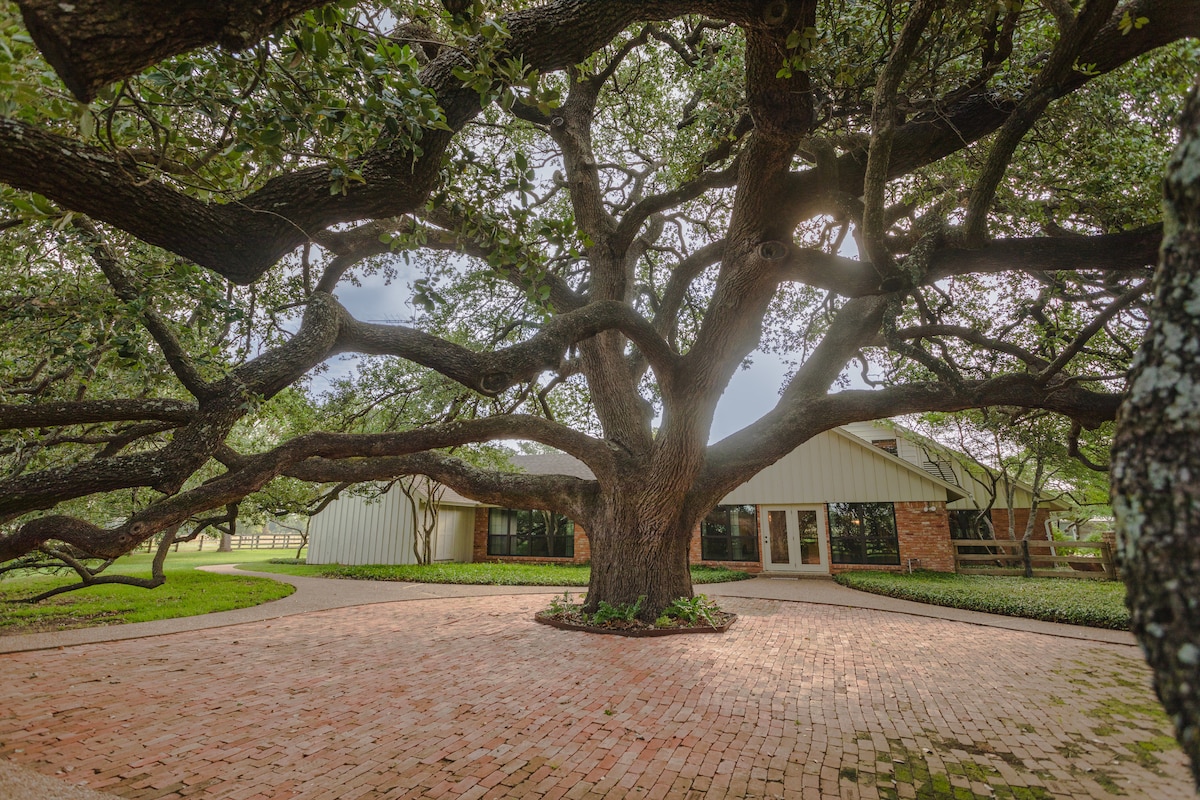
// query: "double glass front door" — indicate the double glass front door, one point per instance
point(794, 539)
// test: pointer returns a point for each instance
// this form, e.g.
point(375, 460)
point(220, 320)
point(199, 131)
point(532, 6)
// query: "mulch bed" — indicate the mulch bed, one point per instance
point(636, 627)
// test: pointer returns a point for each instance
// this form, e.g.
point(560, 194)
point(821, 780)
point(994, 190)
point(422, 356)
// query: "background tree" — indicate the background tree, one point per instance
point(611, 205)
point(1002, 448)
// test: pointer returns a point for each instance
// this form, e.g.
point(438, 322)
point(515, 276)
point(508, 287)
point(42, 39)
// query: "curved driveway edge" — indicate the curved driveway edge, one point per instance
point(321, 594)
point(312, 594)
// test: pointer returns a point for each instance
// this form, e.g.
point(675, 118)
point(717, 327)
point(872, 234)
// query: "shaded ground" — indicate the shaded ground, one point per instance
point(468, 697)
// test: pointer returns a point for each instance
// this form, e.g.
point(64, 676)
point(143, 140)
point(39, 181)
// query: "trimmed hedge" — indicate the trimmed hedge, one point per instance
point(481, 573)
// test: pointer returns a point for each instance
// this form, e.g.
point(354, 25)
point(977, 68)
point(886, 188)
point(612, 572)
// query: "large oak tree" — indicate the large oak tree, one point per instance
point(611, 205)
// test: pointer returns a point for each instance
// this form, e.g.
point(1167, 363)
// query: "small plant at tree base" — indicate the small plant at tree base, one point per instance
point(563, 606)
point(690, 611)
point(683, 615)
point(607, 613)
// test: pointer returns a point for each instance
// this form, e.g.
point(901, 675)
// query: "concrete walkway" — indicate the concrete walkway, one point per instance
point(816, 692)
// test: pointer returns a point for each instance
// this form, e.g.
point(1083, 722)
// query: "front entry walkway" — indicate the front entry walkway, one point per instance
point(467, 697)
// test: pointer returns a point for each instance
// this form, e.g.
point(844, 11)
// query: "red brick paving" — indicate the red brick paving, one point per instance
point(468, 698)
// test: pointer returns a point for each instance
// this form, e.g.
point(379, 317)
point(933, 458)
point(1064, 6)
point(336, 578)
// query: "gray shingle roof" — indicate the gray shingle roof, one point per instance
point(552, 464)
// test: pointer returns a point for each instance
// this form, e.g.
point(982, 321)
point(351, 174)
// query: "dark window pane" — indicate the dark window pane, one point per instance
point(863, 533)
point(530, 533)
point(500, 521)
point(730, 533)
point(714, 548)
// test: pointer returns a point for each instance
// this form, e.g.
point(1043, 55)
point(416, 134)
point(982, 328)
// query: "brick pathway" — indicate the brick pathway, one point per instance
point(468, 698)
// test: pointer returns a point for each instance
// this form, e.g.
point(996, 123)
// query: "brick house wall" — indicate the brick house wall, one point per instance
point(583, 548)
point(1021, 518)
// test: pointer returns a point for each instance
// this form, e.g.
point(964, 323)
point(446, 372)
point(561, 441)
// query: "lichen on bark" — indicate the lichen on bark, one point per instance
point(1156, 455)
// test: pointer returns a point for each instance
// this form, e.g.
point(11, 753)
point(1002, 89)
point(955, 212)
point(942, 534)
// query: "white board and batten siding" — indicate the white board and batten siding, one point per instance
point(353, 531)
point(835, 467)
point(920, 454)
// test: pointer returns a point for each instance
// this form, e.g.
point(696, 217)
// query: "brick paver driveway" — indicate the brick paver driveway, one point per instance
point(470, 698)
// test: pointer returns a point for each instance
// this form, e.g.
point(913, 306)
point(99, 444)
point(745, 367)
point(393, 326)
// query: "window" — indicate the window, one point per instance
point(886, 444)
point(536, 534)
point(968, 524)
point(863, 533)
point(730, 533)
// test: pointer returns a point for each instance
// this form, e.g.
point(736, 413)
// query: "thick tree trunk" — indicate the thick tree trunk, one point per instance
point(1156, 457)
point(226, 545)
point(633, 557)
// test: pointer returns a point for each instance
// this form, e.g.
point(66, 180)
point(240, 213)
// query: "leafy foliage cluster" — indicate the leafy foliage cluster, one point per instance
point(697, 612)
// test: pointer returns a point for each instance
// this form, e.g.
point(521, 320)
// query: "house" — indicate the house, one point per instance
point(356, 529)
point(871, 496)
point(968, 514)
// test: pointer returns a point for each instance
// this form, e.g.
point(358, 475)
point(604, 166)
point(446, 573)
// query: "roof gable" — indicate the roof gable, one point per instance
point(975, 489)
point(836, 466)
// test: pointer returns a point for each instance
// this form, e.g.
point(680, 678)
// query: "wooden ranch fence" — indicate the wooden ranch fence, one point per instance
point(1034, 558)
point(268, 541)
point(254, 541)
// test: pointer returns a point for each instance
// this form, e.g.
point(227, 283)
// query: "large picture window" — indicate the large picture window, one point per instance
point(863, 533)
point(536, 534)
point(730, 533)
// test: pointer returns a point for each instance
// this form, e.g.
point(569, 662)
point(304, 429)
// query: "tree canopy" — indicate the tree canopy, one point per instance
point(609, 206)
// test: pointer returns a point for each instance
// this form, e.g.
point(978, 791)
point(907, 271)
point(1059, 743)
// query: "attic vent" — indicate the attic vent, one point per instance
point(941, 469)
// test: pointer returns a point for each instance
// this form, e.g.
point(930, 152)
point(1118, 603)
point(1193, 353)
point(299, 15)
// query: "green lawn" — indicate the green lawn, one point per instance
point(186, 593)
point(1099, 604)
point(480, 573)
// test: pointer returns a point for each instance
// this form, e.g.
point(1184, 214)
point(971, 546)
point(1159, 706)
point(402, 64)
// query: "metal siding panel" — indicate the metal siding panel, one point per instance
point(392, 540)
point(353, 531)
point(456, 528)
point(353, 514)
point(319, 540)
point(909, 452)
point(400, 532)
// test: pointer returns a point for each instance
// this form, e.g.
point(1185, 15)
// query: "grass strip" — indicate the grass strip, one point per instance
point(186, 593)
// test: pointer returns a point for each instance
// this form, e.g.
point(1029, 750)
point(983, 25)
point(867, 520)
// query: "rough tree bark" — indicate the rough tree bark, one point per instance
point(91, 43)
point(1156, 456)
